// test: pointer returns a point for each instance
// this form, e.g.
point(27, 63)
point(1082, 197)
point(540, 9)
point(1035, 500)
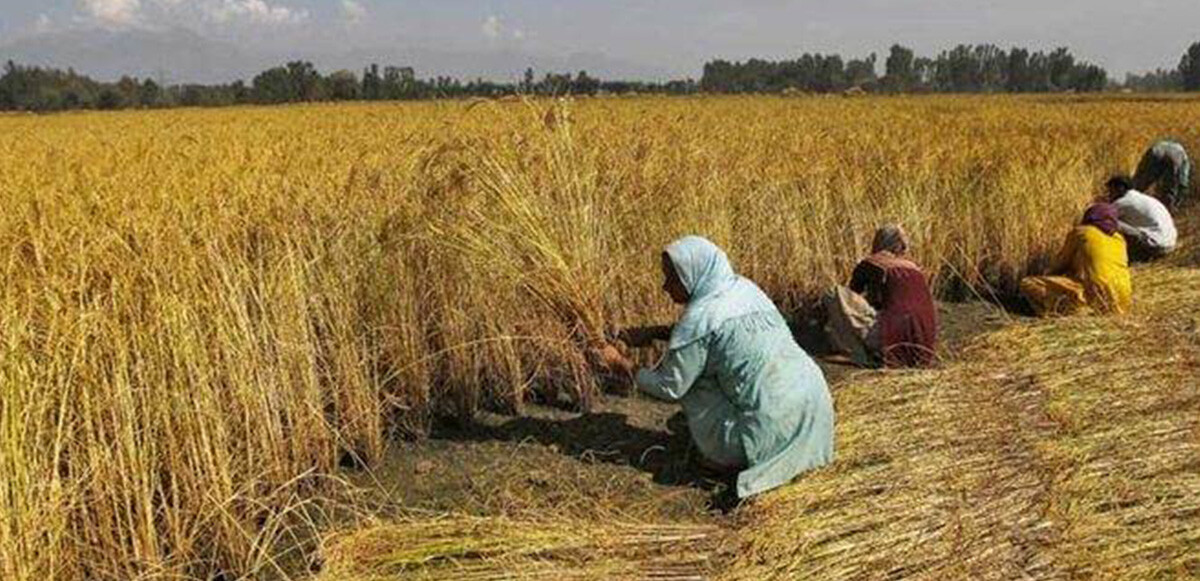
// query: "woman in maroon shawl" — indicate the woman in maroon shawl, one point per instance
point(887, 315)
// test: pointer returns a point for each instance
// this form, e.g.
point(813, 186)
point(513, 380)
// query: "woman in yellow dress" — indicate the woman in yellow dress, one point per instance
point(1091, 272)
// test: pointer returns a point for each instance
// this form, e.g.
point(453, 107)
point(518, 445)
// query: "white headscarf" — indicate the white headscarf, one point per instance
point(715, 293)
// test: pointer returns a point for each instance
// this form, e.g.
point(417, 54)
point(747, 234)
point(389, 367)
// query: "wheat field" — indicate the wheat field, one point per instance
point(205, 312)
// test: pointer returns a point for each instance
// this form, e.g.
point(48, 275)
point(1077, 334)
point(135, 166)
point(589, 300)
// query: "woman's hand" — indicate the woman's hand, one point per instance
point(608, 357)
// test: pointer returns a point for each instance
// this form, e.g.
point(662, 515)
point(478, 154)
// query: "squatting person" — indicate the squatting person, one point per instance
point(755, 402)
point(887, 314)
point(1091, 272)
point(1167, 168)
point(1145, 222)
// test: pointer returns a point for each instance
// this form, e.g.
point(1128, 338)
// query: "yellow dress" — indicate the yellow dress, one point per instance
point(1090, 273)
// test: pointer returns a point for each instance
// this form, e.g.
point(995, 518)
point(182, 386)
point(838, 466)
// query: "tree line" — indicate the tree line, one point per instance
point(965, 68)
point(29, 88)
point(1185, 77)
point(981, 68)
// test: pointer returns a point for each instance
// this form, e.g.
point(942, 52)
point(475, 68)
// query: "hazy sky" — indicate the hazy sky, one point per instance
point(673, 35)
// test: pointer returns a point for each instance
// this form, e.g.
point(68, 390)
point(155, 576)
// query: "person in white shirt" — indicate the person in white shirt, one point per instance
point(1144, 221)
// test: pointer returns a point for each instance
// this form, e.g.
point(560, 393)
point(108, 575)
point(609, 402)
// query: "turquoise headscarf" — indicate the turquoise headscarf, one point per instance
point(716, 293)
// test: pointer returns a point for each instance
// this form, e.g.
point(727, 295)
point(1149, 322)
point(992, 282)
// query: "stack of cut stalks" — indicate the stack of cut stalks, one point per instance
point(479, 549)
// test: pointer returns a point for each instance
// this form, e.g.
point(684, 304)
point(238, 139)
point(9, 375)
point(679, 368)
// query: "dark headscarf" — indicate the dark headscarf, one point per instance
point(1103, 216)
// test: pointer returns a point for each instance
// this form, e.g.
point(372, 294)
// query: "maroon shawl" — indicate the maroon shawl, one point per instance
point(907, 315)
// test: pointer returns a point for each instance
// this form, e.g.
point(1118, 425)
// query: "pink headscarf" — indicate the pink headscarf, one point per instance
point(1102, 216)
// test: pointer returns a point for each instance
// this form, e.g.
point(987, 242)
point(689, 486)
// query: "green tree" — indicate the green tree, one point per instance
point(110, 98)
point(1061, 65)
point(343, 86)
point(861, 72)
point(1189, 68)
point(528, 83)
point(273, 86)
point(149, 94)
point(898, 69)
point(1018, 78)
point(372, 83)
point(584, 84)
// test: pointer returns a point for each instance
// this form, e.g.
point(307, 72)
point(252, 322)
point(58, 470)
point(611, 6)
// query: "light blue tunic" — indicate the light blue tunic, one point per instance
point(753, 398)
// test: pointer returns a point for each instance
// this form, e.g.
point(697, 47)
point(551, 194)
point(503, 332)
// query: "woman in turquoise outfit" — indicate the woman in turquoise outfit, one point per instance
point(756, 403)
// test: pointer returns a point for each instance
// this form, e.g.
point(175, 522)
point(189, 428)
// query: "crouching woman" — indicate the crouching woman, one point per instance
point(1090, 274)
point(887, 314)
point(755, 402)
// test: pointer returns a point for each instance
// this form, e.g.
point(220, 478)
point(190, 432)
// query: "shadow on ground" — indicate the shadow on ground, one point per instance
point(606, 436)
point(631, 456)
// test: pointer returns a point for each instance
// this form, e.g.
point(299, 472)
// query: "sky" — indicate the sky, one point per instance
point(672, 36)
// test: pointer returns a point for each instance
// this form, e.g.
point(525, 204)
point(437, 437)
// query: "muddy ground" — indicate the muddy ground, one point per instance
point(631, 456)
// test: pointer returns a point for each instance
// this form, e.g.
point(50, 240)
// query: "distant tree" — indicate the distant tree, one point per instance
point(717, 77)
point(7, 91)
point(343, 86)
point(401, 83)
point(128, 88)
point(922, 71)
point(1018, 78)
point(295, 82)
point(306, 82)
point(240, 93)
point(958, 70)
point(274, 86)
point(1156, 81)
point(1039, 73)
point(1061, 65)
point(527, 85)
point(1087, 78)
point(38, 89)
point(684, 87)
point(993, 67)
point(831, 74)
point(192, 96)
point(584, 84)
point(899, 74)
point(208, 95)
point(148, 94)
point(861, 72)
point(372, 83)
point(1189, 68)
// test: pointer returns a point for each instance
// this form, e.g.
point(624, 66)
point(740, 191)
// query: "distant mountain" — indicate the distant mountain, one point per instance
point(182, 55)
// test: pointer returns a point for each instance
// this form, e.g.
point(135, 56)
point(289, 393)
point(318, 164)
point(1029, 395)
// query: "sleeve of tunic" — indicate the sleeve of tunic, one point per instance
point(865, 274)
point(1066, 256)
point(869, 280)
point(671, 379)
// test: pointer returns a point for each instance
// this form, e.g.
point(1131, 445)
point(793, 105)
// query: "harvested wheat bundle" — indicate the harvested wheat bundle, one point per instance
point(1058, 448)
point(484, 549)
